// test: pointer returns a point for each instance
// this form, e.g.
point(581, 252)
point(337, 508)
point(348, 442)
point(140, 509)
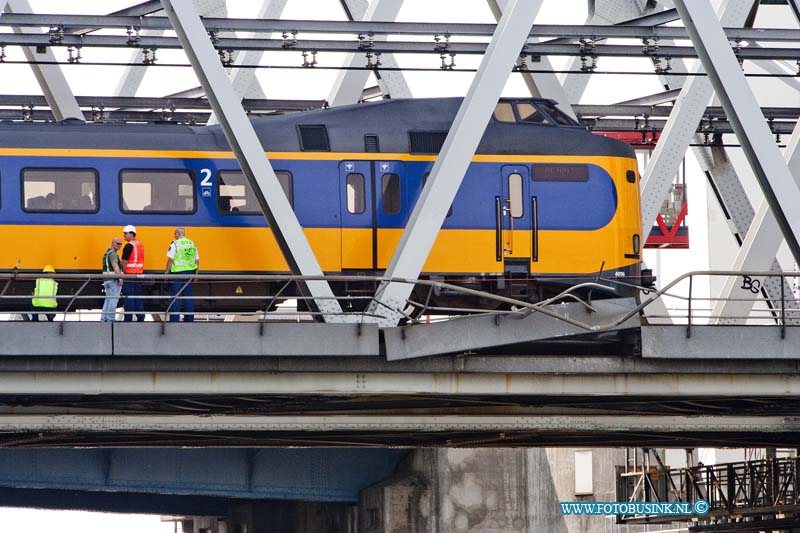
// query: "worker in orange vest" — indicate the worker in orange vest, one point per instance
point(132, 263)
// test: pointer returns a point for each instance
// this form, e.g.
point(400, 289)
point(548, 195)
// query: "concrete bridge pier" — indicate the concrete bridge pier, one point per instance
point(452, 490)
point(491, 490)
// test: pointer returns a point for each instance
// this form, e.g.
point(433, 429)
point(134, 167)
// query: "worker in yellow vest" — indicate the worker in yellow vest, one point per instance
point(183, 260)
point(44, 296)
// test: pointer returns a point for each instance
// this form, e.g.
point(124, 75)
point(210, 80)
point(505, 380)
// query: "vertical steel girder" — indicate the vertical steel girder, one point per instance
point(451, 164)
point(745, 115)
point(761, 244)
point(248, 150)
point(540, 84)
point(350, 82)
point(49, 76)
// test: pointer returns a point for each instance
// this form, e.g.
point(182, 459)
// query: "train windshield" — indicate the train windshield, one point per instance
point(531, 114)
point(558, 116)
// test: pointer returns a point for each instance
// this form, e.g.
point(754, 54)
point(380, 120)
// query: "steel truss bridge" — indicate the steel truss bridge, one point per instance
point(673, 368)
point(627, 332)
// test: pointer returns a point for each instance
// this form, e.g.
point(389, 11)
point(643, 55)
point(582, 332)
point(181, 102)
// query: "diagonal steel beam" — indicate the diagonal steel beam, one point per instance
point(681, 126)
point(244, 79)
point(451, 164)
point(794, 5)
point(761, 244)
point(739, 212)
point(743, 111)
point(248, 150)
point(611, 12)
point(132, 78)
point(49, 76)
point(350, 83)
point(718, 168)
point(540, 84)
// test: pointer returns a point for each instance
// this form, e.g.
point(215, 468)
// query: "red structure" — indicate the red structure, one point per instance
point(670, 229)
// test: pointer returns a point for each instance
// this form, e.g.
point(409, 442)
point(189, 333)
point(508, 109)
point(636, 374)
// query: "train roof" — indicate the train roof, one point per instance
point(393, 126)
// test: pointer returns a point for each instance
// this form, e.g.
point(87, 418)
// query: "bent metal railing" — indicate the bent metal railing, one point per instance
point(694, 309)
point(84, 289)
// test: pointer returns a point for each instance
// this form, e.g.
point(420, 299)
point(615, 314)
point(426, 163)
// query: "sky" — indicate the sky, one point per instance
point(42, 521)
point(88, 80)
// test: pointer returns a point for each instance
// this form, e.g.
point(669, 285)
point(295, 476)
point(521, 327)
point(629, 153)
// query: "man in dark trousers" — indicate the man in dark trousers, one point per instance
point(182, 260)
point(132, 263)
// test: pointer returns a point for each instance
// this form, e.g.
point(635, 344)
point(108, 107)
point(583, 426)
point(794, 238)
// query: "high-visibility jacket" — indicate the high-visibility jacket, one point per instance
point(136, 259)
point(185, 256)
point(44, 293)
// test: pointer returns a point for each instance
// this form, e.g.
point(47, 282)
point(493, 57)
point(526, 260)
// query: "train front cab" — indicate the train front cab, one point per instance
point(564, 222)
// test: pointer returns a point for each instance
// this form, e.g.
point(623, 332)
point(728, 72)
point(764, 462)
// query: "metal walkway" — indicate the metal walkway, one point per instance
point(747, 496)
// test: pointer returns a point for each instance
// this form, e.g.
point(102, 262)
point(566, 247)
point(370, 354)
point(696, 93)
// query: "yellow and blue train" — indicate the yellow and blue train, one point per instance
point(544, 203)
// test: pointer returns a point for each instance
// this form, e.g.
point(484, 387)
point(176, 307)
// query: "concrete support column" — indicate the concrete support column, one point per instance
point(489, 490)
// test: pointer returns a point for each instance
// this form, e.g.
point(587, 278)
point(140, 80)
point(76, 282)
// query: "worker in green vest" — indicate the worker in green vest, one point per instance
point(44, 296)
point(182, 260)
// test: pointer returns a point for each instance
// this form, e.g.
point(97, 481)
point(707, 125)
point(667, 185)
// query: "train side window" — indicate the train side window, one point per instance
point(504, 112)
point(391, 194)
point(424, 181)
point(530, 113)
point(50, 190)
point(287, 182)
point(356, 194)
point(157, 191)
point(515, 195)
point(235, 196)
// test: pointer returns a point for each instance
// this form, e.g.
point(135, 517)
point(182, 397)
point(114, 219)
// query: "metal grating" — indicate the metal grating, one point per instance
point(314, 139)
point(371, 143)
point(426, 142)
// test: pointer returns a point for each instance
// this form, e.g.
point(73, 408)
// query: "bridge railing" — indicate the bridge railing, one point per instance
point(690, 302)
point(760, 487)
point(280, 297)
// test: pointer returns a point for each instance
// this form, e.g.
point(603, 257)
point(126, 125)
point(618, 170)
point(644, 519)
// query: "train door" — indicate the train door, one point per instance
point(356, 199)
point(392, 207)
point(374, 199)
point(515, 214)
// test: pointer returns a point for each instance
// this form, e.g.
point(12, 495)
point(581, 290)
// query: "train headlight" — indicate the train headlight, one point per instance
point(637, 243)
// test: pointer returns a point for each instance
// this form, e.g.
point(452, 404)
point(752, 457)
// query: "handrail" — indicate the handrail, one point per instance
point(516, 308)
point(746, 487)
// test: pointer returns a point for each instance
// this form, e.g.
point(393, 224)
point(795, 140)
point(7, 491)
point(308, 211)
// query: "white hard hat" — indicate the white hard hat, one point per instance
point(129, 229)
